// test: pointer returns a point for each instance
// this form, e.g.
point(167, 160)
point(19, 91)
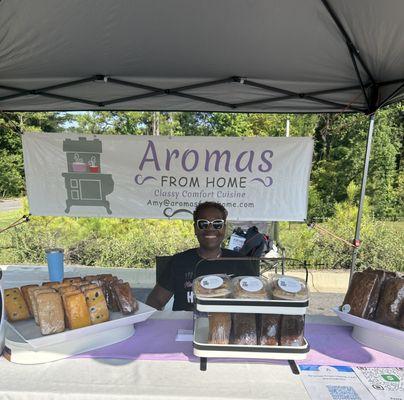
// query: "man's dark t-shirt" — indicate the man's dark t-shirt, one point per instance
point(184, 267)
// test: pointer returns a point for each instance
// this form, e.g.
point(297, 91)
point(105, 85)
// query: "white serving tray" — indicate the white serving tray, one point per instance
point(252, 306)
point(20, 352)
point(204, 349)
point(30, 333)
point(372, 334)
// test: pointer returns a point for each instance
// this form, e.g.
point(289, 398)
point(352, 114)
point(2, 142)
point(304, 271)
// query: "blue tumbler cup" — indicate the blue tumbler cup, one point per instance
point(55, 264)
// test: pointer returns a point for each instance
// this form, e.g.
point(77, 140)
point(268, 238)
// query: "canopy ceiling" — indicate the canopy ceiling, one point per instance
point(193, 55)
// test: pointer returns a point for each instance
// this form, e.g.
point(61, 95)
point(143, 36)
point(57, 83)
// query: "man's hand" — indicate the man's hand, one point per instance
point(158, 297)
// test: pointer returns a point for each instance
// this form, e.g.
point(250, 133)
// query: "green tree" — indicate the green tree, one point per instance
point(12, 126)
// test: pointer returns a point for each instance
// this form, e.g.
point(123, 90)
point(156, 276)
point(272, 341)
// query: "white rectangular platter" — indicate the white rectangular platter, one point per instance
point(30, 332)
point(372, 334)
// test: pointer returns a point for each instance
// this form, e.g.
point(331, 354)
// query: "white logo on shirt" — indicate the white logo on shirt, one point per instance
point(190, 297)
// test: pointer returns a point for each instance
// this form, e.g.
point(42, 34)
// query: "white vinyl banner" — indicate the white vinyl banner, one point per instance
point(256, 179)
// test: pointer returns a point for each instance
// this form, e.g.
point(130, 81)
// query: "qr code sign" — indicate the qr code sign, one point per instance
point(343, 393)
point(385, 379)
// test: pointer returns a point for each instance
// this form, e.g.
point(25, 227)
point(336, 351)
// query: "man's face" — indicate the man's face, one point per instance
point(210, 238)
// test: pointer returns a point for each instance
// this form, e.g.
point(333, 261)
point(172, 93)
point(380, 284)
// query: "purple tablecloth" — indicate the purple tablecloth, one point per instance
point(330, 345)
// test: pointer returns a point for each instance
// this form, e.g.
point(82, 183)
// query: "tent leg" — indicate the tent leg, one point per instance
point(363, 189)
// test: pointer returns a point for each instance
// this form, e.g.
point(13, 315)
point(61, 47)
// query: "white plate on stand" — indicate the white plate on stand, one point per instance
point(26, 345)
point(372, 334)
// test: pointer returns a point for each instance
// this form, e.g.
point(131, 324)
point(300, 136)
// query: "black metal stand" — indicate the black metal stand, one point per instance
point(293, 366)
point(203, 363)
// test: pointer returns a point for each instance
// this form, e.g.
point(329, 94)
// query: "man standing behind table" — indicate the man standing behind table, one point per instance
point(183, 268)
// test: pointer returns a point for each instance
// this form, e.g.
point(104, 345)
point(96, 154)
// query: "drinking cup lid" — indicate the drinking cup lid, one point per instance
point(56, 250)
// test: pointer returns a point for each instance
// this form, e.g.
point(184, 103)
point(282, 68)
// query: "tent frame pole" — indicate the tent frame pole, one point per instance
point(362, 195)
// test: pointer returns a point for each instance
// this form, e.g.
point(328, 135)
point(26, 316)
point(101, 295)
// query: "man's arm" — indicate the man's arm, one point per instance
point(158, 297)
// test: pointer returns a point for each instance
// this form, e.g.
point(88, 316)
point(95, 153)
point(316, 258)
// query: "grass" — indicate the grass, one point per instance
point(396, 225)
point(8, 217)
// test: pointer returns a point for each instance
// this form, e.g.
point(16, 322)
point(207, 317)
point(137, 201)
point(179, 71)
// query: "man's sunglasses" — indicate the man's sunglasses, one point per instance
point(204, 224)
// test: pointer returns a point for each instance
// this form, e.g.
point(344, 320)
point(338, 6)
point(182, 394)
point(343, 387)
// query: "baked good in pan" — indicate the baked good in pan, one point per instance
point(219, 328)
point(249, 287)
point(212, 286)
point(14, 303)
point(50, 313)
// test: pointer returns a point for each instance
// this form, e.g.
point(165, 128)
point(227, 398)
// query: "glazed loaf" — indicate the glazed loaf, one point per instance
point(77, 312)
point(15, 305)
point(97, 305)
point(24, 291)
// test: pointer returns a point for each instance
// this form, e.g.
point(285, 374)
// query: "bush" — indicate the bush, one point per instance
point(382, 242)
point(11, 175)
point(105, 242)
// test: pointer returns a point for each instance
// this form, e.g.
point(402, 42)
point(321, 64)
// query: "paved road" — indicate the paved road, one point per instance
point(10, 204)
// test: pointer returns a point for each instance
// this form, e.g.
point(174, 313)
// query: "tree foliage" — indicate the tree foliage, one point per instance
point(339, 149)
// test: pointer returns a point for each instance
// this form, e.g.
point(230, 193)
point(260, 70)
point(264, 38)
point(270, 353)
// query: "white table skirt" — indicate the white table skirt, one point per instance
point(77, 379)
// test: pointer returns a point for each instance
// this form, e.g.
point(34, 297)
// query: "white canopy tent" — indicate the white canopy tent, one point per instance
point(270, 56)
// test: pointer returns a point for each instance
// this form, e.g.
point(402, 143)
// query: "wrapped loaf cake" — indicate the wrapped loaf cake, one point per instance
point(292, 330)
point(219, 328)
point(212, 286)
point(269, 329)
point(288, 288)
point(249, 287)
point(244, 329)
point(391, 304)
point(364, 292)
point(126, 301)
point(50, 313)
point(382, 278)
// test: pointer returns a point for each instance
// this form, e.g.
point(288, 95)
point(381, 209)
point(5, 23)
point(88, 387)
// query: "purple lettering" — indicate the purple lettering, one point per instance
point(268, 167)
point(184, 160)
point(248, 165)
point(218, 157)
point(150, 146)
point(175, 153)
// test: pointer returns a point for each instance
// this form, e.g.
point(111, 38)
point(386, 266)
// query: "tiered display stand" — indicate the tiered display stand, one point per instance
point(205, 350)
